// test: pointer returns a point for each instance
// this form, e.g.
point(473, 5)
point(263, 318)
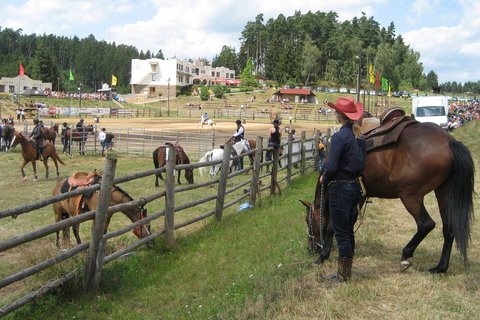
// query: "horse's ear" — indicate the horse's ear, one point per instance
point(305, 203)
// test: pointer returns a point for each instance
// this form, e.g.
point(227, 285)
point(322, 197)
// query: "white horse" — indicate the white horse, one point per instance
point(241, 147)
point(208, 122)
point(212, 155)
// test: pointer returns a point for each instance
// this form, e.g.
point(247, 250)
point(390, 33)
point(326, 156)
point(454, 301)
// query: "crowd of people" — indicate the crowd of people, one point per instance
point(461, 112)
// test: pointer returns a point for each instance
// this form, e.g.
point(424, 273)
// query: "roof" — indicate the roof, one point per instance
point(306, 92)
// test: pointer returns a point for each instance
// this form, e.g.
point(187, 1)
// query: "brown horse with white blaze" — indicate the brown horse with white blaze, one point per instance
point(160, 159)
point(425, 158)
point(84, 203)
point(29, 154)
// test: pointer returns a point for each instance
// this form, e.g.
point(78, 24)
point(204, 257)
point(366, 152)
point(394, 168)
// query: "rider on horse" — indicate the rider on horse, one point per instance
point(37, 135)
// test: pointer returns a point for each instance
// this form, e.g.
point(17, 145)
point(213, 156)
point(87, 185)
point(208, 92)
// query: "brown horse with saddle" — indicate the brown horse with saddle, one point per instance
point(29, 154)
point(160, 159)
point(50, 134)
point(82, 203)
point(407, 159)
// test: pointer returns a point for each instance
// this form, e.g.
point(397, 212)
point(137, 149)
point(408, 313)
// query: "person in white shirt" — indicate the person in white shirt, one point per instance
point(101, 137)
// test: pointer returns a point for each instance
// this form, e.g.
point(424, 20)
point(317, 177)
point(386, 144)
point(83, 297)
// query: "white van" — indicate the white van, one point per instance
point(431, 109)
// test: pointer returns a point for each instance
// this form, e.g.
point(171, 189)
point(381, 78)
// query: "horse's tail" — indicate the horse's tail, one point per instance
point(460, 195)
point(206, 157)
point(155, 158)
point(56, 156)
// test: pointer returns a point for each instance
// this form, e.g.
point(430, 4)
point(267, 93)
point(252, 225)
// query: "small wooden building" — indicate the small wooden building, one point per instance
point(294, 96)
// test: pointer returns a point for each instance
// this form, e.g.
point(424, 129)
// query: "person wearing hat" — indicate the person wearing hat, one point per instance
point(63, 131)
point(101, 137)
point(37, 136)
point(274, 138)
point(239, 135)
point(345, 164)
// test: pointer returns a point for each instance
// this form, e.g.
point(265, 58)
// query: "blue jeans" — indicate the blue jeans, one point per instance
point(343, 199)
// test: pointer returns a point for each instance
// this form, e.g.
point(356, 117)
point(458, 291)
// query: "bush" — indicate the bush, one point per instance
point(204, 94)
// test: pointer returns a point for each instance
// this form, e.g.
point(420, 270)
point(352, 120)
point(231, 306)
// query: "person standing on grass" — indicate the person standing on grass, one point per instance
point(101, 137)
point(346, 162)
point(274, 138)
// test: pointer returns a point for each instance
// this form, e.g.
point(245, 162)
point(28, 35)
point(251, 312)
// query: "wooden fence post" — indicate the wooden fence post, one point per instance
point(289, 158)
point(170, 198)
point(303, 161)
point(94, 261)
point(316, 166)
point(255, 185)
point(222, 184)
point(273, 176)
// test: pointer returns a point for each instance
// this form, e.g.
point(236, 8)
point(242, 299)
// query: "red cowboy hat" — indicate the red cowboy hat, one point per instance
point(348, 107)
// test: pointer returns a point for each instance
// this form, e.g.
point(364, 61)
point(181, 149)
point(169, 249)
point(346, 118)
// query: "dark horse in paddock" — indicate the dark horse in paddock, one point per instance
point(426, 158)
point(159, 160)
point(8, 132)
point(29, 154)
point(50, 134)
point(84, 203)
point(80, 137)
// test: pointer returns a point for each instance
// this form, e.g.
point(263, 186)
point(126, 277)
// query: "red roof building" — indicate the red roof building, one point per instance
point(295, 96)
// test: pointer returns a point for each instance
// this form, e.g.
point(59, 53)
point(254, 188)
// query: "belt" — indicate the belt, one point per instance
point(344, 181)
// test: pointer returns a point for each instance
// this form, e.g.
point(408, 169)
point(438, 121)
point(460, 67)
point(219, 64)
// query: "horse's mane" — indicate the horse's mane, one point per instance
point(123, 191)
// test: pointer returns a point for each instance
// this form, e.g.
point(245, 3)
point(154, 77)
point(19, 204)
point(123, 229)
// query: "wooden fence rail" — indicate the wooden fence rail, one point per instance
point(96, 258)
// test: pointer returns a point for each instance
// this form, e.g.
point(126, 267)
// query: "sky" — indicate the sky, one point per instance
point(445, 33)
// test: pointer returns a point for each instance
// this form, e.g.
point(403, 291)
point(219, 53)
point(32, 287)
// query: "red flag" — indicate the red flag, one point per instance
point(21, 72)
point(377, 81)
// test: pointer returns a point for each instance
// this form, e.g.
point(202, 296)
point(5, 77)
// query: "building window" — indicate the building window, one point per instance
point(232, 76)
point(154, 67)
point(213, 73)
point(2, 88)
point(218, 74)
point(202, 72)
point(11, 89)
point(154, 77)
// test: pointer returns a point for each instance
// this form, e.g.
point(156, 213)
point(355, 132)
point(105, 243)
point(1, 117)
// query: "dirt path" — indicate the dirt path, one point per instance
point(185, 124)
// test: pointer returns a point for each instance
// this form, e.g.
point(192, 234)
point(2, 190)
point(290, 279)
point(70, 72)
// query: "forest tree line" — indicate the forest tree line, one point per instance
point(302, 49)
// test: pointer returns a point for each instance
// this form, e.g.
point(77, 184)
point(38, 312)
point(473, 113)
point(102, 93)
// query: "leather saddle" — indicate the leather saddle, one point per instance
point(392, 123)
point(77, 180)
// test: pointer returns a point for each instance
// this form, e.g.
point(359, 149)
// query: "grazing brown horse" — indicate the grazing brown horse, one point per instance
point(8, 132)
point(159, 160)
point(29, 154)
point(83, 203)
point(425, 158)
point(50, 134)
point(74, 135)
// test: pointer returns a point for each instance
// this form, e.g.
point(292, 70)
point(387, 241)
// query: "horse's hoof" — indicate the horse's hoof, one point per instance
point(404, 265)
point(34, 180)
point(25, 178)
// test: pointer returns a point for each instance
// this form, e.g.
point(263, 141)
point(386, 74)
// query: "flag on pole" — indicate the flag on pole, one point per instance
point(71, 78)
point(114, 80)
point(372, 75)
point(377, 81)
point(21, 71)
point(389, 91)
point(384, 84)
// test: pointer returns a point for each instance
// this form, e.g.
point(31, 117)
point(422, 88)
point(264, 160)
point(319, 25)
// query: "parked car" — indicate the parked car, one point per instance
point(343, 90)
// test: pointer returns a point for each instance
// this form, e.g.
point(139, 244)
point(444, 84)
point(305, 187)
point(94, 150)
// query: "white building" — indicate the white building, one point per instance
point(19, 84)
point(154, 77)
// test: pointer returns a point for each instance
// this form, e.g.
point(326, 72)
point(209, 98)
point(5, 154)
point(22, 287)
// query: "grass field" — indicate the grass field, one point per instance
point(254, 265)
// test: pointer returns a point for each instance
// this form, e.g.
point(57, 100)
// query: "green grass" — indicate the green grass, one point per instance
point(216, 271)
point(254, 265)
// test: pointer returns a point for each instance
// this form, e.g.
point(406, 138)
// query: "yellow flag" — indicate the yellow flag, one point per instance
point(372, 75)
point(389, 91)
point(114, 80)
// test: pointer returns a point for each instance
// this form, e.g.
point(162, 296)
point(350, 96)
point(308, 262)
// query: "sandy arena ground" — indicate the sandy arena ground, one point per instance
point(257, 127)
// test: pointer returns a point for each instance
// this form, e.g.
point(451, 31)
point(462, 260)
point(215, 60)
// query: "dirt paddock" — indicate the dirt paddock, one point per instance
point(226, 126)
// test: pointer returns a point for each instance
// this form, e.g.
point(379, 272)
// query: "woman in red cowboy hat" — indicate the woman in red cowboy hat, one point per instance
point(346, 161)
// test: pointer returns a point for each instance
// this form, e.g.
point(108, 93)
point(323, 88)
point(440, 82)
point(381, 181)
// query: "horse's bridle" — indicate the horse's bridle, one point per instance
point(311, 235)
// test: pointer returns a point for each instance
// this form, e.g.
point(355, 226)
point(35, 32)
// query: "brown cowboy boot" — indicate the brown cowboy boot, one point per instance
point(344, 271)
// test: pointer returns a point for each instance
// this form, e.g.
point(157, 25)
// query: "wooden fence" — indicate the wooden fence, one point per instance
point(227, 195)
